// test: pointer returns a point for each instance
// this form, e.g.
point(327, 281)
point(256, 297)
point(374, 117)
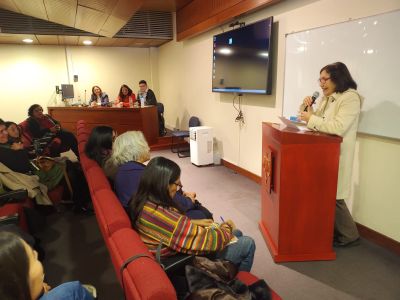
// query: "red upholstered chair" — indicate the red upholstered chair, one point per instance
point(13, 203)
point(86, 162)
point(143, 278)
point(96, 179)
point(12, 209)
point(249, 279)
point(56, 194)
point(109, 211)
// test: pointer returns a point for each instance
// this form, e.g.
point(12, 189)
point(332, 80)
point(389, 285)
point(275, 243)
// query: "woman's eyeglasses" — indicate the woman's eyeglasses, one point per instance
point(323, 80)
point(179, 185)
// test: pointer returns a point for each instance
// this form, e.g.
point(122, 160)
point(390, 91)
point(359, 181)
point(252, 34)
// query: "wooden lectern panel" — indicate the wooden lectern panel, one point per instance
point(299, 179)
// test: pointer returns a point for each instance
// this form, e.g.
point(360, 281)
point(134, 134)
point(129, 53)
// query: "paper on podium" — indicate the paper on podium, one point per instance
point(297, 126)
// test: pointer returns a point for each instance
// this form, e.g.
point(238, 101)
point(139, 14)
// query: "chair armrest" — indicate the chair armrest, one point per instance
point(13, 197)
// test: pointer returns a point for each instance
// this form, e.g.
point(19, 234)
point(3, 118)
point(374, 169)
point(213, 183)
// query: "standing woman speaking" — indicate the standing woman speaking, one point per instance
point(338, 113)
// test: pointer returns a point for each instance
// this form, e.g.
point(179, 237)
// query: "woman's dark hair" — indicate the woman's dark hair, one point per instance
point(340, 76)
point(32, 108)
point(99, 142)
point(10, 138)
point(121, 96)
point(14, 268)
point(153, 186)
point(93, 96)
point(96, 86)
point(9, 123)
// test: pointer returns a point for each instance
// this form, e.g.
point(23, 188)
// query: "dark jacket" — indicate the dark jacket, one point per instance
point(104, 99)
point(126, 181)
point(126, 184)
point(34, 127)
point(150, 98)
point(16, 160)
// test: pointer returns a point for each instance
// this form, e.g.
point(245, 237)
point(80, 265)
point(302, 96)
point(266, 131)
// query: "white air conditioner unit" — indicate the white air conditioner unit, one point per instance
point(201, 145)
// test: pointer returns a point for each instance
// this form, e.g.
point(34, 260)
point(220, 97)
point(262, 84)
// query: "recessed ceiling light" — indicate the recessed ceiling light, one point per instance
point(27, 40)
point(87, 42)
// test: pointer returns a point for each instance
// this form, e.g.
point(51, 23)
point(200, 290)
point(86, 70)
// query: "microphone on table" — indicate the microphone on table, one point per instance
point(313, 97)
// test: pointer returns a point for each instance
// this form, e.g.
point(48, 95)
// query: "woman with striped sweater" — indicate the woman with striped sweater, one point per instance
point(158, 219)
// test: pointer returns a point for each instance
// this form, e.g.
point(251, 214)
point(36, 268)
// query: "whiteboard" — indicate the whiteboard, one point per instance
point(370, 47)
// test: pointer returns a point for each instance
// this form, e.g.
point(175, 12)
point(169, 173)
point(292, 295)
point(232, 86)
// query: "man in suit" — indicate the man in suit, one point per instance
point(146, 93)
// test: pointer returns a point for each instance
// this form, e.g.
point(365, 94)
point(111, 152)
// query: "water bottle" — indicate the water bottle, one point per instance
point(141, 101)
point(130, 102)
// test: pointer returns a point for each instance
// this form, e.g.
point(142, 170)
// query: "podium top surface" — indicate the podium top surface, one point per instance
point(286, 135)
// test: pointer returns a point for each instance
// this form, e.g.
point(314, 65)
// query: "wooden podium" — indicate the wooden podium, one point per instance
point(298, 194)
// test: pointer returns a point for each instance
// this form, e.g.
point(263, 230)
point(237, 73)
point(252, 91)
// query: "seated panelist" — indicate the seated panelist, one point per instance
point(126, 98)
point(98, 97)
point(145, 94)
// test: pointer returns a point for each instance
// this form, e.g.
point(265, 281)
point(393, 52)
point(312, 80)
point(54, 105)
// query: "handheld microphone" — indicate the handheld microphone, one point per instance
point(313, 97)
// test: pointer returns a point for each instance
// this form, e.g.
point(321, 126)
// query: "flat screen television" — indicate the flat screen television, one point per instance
point(242, 59)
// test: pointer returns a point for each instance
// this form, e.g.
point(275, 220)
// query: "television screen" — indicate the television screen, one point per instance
point(242, 59)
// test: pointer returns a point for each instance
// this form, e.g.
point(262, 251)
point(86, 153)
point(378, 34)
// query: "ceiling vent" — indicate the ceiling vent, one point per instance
point(148, 24)
point(11, 22)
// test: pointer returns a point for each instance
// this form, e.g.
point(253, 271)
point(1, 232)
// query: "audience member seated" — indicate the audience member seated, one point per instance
point(14, 132)
point(50, 173)
point(22, 276)
point(13, 155)
point(148, 96)
point(126, 98)
point(159, 221)
point(40, 125)
point(130, 151)
point(98, 97)
point(100, 143)
point(61, 171)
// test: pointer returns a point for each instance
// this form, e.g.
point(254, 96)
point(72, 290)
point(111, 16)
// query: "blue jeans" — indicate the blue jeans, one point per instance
point(240, 253)
point(67, 291)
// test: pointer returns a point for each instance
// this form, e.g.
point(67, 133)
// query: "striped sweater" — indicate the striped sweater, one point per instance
point(178, 233)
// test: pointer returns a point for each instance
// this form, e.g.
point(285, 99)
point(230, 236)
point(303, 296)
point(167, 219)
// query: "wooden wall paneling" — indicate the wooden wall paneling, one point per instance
point(85, 38)
point(121, 13)
point(105, 6)
point(89, 19)
point(210, 20)
point(111, 26)
point(34, 8)
point(105, 42)
point(61, 11)
point(6, 38)
point(9, 5)
point(198, 11)
point(47, 39)
point(68, 40)
point(122, 42)
point(164, 5)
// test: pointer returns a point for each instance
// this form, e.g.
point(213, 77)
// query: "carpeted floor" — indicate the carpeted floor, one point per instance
point(75, 249)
